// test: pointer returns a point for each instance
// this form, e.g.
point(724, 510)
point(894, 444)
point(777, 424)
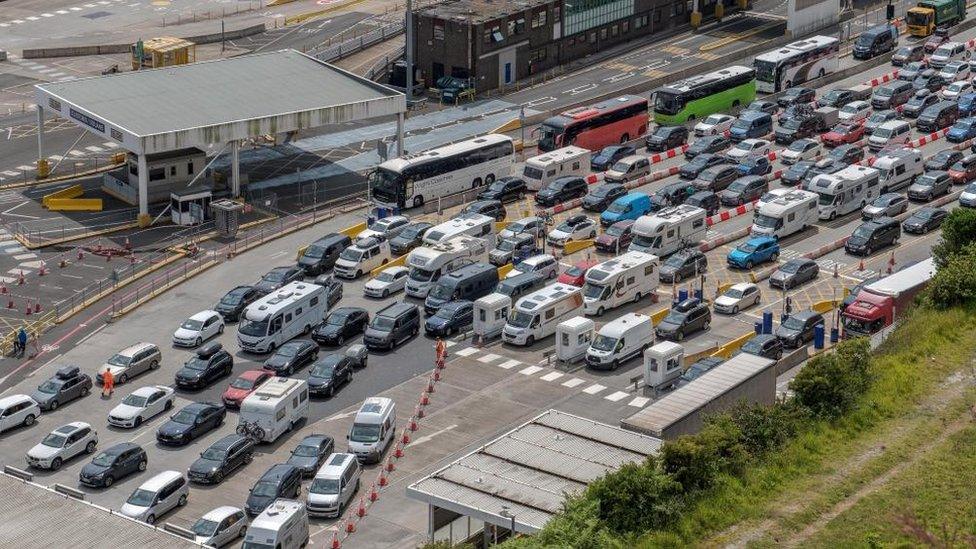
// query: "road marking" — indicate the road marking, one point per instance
point(551, 376)
point(110, 145)
point(509, 364)
point(25, 168)
point(72, 276)
point(22, 257)
point(32, 18)
point(468, 351)
point(47, 15)
point(594, 389)
point(639, 402)
point(90, 266)
point(427, 438)
point(573, 382)
point(450, 343)
point(488, 358)
point(342, 415)
point(614, 397)
point(82, 340)
point(274, 255)
point(530, 370)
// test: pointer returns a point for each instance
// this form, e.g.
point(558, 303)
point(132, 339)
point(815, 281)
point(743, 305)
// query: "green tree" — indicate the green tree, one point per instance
point(636, 497)
point(954, 282)
point(765, 428)
point(830, 383)
point(958, 231)
point(695, 461)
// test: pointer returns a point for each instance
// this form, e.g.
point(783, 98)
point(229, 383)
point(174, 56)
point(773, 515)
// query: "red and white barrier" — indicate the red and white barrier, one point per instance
point(883, 79)
point(655, 176)
point(657, 158)
point(934, 136)
point(730, 213)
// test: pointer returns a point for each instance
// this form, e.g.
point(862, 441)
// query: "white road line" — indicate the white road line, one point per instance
point(32, 18)
point(72, 276)
point(95, 149)
point(110, 145)
point(573, 382)
point(31, 264)
point(614, 397)
point(76, 152)
point(450, 343)
point(95, 331)
point(74, 8)
point(594, 389)
point(47, 15)
point(553, 376)
point(530, 370)
point(340, 416)
point(10, 173)
point(509, 364)
point(17, 271)
point(468, 351)
point(638, 402)
point(488, 358)
point(61, 12)
point(25, 168)
point(22, 257)
point(427, 438)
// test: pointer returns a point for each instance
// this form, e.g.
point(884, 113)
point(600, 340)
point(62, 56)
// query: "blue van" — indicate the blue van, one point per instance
point(628, 206)
point(751, 124)
point(967, 104)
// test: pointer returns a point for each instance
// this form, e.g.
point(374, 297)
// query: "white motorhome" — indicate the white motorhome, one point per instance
point(274, 409)
point(362, 257)
point(899, 168)
point(788, 214)
point(281, 315)
point(668, 230)
point(282, 525)
point(373, 429)
point(549, 166)
point(428, 263)
point(536, 315)
point(845, 191)
point(470, 224)
point(623, 279)
point(620, 340)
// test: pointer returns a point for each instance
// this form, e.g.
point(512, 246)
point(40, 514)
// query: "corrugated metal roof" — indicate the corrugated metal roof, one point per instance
point(467, 501)
point(685, 400)
point(32, 516)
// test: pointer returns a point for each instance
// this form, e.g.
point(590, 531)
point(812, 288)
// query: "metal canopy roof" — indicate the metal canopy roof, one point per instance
point(531, 469)
point(217, 101)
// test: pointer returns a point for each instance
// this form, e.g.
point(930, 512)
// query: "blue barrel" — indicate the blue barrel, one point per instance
point(370, 219)
point(767, 322)
point(758, 326)
point(834, 335)
point(682, 295)
point(381, 213)
point(818, 336)
point(698, 294)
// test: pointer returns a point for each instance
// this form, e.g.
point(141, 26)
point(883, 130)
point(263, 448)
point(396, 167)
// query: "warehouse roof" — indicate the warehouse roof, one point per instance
point(30, 510)
point(530, 470)
point(477, 11)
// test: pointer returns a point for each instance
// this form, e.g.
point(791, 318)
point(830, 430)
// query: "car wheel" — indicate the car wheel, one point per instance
point(774, 257)
point(679, 335)
point(143, 464)
point(637, 297)
point(330, 392)
point(108, 482)
point(90, 447)
point(340, 341)
point(53, 406)
point(56, 464)
point(349, 377)
point(749, 265)
point(122, 379)
point(868, 250)
point(530, 341)
point(85, 391)
point(735, 309)
point(182, 501)
point(199, 341)
point(248, 458)
point(418, 201)
point(476, 183)
point(833, 215)
point(706, 324)
point(359, 273)
point(151, 519)
point(593, 235)
point(624, 138)
point(220, 330)
point(138, 422)
point(615, 364)
point(489, 179)
point(386, 294)
point(599, 311)
point(154, 364)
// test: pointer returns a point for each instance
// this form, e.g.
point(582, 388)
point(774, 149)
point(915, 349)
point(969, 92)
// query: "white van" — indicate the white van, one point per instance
point(282, 525)
point(362, 257)
point(536, 315)
point(892, 132)
point(373, 429)
point(540, 170)
point(334, 485)
point(428, 263)
point(620, 340)
point(899, 168)
point(845, 191)
point(273, 409)
point(281, 315)
point(668, 230)
point(620, 280)
point(16, 410)
point(628, 169)
point(471, 224)
point(157, 496)
point(788, 214)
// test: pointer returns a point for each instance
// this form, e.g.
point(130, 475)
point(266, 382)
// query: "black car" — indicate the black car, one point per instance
point(409, 238)
point(706, 200)
point(278, 277)
point(601, 196)
point(280, 481)
point(924, 220)
point(329, 373)
point(847, 154)
point(112, 464)
point(341, 325)
point(193, 421)
point(696, 370)
point(716, 178)
point(321, 255)
point(506, 189)
point(233, 303)
point(918, 103)
point(702, 162)
point(824, 166)
point(942, 160)
point(744, 189)
point(292, 356)
point(491, 208)
point(686, 263)
point(333, 288)
point(929, 79)
point(798, 329)
point(67, 384)
point(664, 138)
point(561, 190)
point(450, 318)
point(837, 98)
point(794, 176)
point(310, 453)
point(221, 458)
point(608, 156)
point(764, 345)
point(672, 195)
point(794, 272)
point(759, 105)
point(795, 96)
point(210, 363)
point(685, 318)
point(707, 144)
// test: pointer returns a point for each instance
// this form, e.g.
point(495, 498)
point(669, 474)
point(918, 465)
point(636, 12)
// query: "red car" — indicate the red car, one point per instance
point(935, 41)
point(244, 385)
point(576, 274)
point(843, 134)
point(964, 170)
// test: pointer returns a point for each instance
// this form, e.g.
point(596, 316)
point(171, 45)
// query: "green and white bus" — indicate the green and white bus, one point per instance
point(699, 96)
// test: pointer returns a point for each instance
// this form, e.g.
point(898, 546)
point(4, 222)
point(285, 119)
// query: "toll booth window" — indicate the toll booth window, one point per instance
point(189, 168)
point(673, 364)
point(172, 170)
point(156, 174)
point(134, 169)
point(583, 338)
point(653, 365)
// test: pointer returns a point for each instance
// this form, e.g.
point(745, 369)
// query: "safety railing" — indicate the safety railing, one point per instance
point(329, 53)
point(192, 16)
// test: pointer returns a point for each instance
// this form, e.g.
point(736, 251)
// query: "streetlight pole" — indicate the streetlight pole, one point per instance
point(408, 52)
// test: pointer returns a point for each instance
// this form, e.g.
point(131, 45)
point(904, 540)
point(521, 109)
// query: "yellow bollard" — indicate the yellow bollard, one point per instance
point(696, 18)
point(144, 220)
point(743, 4)
point(719, 10)
point(43, 168)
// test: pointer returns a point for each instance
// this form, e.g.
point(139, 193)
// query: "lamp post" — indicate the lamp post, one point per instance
point(408, 53)
point(507, 513)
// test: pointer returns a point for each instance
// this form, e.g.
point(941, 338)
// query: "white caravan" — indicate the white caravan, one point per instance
point(899, 168)
point(788, 214)
point(549, 166)
point(470, 224)
point(620, 340)
point(428, 263)
point(536, 315)
point(282, 525)
point(373, 429)
point(274, 409)
point(281, 315)
point(668, 230)
point(620, 280)
point(845, 191)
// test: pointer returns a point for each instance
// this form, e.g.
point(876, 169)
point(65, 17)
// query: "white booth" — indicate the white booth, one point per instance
point(191, 205)
point(663, 364)
point(573, 338)
point(490, 314)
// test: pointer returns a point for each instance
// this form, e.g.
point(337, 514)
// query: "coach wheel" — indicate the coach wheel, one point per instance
point(476, 183)
point(418, 201)
point(489, 179)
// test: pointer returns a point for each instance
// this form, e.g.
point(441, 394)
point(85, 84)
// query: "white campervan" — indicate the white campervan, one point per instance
point(845, 191)
point(668, 230)
point(334, 485)
point(428, 263)
point(788, 214)
point(274, 409)
point(623, 279)
point(362, 257)
point(282, 525)
point(540, 170)
point(899, 168)
point(373, 429)
point(470, 224)
point(620, 340)
point(281, 315)
point(536, 315)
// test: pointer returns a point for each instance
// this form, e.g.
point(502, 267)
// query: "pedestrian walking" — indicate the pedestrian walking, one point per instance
point(108, 382)
point(35, 349)
point(21, 342)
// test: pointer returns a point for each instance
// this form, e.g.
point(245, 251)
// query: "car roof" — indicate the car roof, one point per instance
point(755, 240)
point(135, 348)
point(314, 439)
point(197, 407)
point(147, 390)
point(220, 513)
point(203, 315)
point(278, 471)
point(347, 310)
point(226, 441)
point(456, 304)
point(536, 259)
point(71, 427)
point(159, 480)
point(121, 447)
point(13, 399)
point(741, 286)
point(804, 315)
point(762, 338)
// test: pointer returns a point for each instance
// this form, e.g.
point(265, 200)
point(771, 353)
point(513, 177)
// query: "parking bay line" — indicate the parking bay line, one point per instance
point(427, 438)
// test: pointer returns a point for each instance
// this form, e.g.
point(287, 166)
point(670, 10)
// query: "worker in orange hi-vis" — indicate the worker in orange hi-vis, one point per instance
point(440, 349)
point(108, 382)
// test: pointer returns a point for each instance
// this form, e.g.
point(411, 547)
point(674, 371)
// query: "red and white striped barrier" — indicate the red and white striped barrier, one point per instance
point(655, 176)
point(657, 158)
point(934, 136)
point(730, 213)
point(883, 79)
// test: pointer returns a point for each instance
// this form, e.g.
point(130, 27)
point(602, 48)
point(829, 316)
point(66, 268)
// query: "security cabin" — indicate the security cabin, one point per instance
point(623, 279)
point(573, 338)
point(663, 365)
point(190, 206)
point(168, 172)
point(489, 315)
point(668, 230)
point(547, 167)
point(786, 215)
point(846, 191)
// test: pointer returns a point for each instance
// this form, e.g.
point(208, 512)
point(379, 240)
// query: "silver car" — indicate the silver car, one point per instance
point(62, 444)
point(532, 224)
point(131, 361)
point(220, 527)
point(886, 205)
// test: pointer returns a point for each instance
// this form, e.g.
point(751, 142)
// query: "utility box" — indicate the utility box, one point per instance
point(663, 365)
point(573, 338)
point(490, 314)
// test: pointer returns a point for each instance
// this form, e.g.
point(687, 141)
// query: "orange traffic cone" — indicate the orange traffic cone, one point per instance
point(419, 412)
point(382, 480)
point(406, 437)
point(412, 424)
point(350, 527)
point(860, 266)
point(81, 254)
point(373, 494)
point(437, 374)
point(361, 510)
point(20, 278)
point(390, 467)
point(398, 451)
point(42, 270)
point(28, 310)
point(336, 544)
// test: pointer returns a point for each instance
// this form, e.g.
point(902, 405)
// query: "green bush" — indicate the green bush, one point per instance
point(830, 383)
point(636, 497)
point(954, 282)
point(765, 428)
point(695, 461)
point(958, 232)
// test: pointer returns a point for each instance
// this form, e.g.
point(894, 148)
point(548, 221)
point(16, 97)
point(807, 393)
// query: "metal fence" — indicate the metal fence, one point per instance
point(193, 16)
point(67, 167)
point(381, 67)
point(59, 231)
point(329, 53)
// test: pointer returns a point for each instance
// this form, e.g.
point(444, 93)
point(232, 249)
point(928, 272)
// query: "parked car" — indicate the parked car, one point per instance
point(533, 225)
point(491, 208)
point(62, 444)
point(112, 464)
point(794, 272)
point(451, 318)
point(713, 179)
point(878, 118)
point(601, 196)
point(280, 481)
point(855, 112)
point(714, 124)
point(412, 236)
point(292, 356)
point(924, 220)
point(707, 144)
point(245, 384)
point(702, 162)
point(755, 165)
point(329, 374)
point(933, 42)
point(576, 274)
point(386, 228)
point(341, 325)
point(706, 200)
point(755, 251)
point(221, 459)
point(505, 189)
point(561, 190)
point(942, 160)
point(963, 130)
point(744, 190)
point(311, 453)
point(909, 71)
point(886, 205)
point(956, 89)
point(210, 363)
point(738, 297)
point(616, 237)
point(198, 328)
point(192, 422)
point(141, 405)
point(220, 527)
point(749, 147)
point(333, 287)
point(798, 329)
point(801, 149)
point(843, 133)
point(608, 156)
point(514, 249)
point(955, 70)
point(664, 138)
point(684, 319)
point(968, 197)
point(684, 264)
point(278, 277)
point(796, 174)
point(574, 228)
point(837, 98)
point(65, 385)
point(764, 345)
point(929, 185)
point(907, 54)
point(320, 256)
point(964, 170)
point(235, 301)
point(847, 154)
point(873, 235)
point(929, 79)
point(543, 264)
point(389, 281)
point(768, 107)
point(796, 96)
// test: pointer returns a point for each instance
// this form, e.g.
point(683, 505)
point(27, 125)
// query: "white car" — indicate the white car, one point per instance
point(198, 328)
point(947, 53)
point(62, 444)
point(737, 297)
point(220, 526)
point(801, 149)
point(142, 404)
point(715, 124)
point(390, 281)
point(954, 90)
point(855, 111)
point(747, 148)
point(955, 70)
point(577, 227)
point(968, 197)
point(544, 264)
point(388, 227)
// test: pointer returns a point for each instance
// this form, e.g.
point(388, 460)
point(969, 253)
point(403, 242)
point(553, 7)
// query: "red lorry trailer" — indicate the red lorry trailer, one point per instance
point(879, 303)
